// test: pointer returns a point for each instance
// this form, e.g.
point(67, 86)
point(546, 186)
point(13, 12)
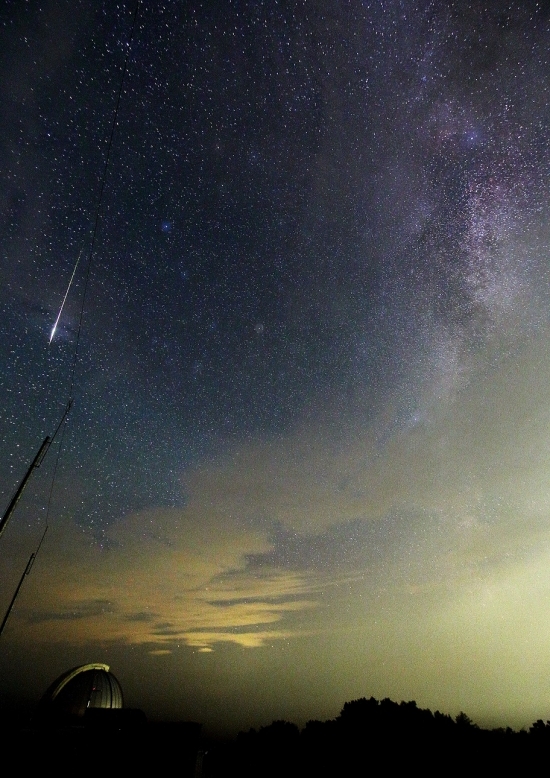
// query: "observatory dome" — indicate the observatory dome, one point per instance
point(84, 687)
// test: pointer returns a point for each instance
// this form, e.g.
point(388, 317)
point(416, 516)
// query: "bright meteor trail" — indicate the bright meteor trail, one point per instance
point(309, 349)
point(64, 299)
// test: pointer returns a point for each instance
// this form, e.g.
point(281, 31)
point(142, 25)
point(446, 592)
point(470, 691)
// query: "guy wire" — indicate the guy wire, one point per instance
point(92, 245)
point(61, 426)
point(100, 198)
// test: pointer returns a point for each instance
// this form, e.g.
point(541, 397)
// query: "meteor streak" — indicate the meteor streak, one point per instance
point(63, 303)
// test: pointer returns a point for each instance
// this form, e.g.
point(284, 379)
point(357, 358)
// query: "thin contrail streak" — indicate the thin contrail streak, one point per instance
point(63, 303)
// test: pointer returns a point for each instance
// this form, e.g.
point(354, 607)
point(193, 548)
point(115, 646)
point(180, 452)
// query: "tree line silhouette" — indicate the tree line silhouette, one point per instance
point(370, 734)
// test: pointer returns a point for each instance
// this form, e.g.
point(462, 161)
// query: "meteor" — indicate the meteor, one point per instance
point(63, 303)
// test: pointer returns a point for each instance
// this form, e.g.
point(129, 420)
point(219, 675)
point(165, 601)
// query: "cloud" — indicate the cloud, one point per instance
point(166, 576)
point(477, 444)
point(141, 616)
point(80, 610)
point(277, 534)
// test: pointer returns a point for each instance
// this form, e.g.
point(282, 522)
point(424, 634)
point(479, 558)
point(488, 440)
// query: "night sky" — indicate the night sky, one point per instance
point(309, 453)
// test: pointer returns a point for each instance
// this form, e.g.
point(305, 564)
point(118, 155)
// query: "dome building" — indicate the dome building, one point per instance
point(78, 690)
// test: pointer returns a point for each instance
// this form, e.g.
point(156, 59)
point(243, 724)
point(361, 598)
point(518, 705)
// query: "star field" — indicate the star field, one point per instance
point(308, 457)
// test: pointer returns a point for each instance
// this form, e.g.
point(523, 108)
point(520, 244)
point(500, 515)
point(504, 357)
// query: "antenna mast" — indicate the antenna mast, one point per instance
point(36, 462)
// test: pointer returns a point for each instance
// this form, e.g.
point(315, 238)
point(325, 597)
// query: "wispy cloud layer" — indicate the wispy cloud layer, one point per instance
point(286, 538)
point(166, 577)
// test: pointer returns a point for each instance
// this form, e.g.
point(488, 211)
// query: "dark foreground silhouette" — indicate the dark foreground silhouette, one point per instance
point(367, 737)
point(387, 737)
point(119, 742)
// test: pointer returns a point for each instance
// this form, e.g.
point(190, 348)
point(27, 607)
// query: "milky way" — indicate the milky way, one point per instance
point(308, 456)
